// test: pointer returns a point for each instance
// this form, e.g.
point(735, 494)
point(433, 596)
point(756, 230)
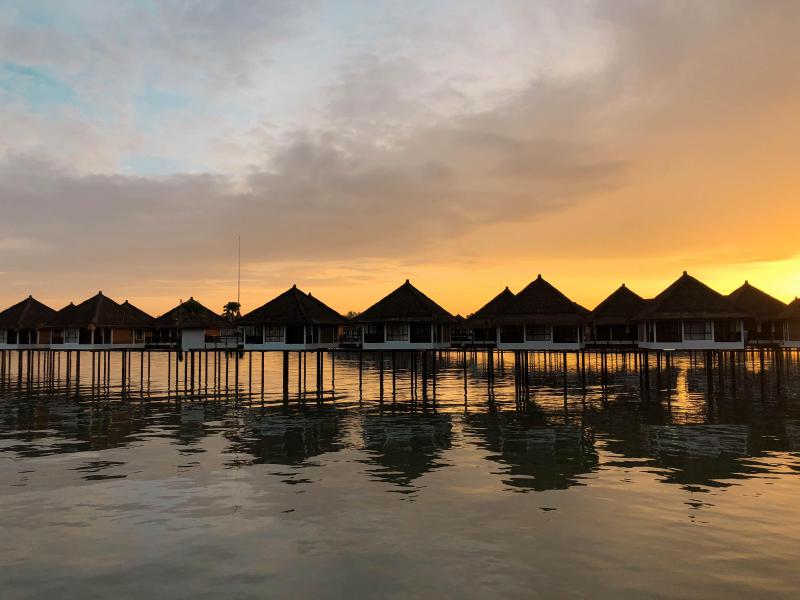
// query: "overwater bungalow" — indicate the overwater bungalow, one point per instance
point(23, 326)
point(483, 323)
point(689, 315)
point(294, 320)
point(791, 324)
point(406, 319)
point(612, 320)
point(192, 326)
point(99, 323)
point(541, 318)
point(763, 325)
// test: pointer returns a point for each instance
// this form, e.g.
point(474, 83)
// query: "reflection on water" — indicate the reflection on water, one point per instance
point(556, 486)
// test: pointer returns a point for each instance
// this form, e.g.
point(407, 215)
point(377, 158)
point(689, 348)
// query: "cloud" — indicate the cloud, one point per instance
point(607, 130)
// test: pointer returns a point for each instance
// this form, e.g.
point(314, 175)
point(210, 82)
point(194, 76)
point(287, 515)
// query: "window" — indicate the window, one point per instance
point(397, 332)
point(537, 333)
point(373, 333)
point(252, 334)
point(421, 333)
point(273, 333)
point(727, 331)
point(565, 334)
point(326, 334)
point(668, 331)
point(294, 334)
point(485, 334)
point(3, 336)
point(512, 334)
point(696, 330)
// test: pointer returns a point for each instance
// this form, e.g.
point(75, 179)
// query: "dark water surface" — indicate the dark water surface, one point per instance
point(566, 493)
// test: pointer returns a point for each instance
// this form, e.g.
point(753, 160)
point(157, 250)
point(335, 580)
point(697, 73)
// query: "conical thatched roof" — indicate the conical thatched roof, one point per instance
point(792, 312)
point(488, 313)
point(541, 303)
point(191, 315)
point(28, 314)
point(689, 298)
point(408, 304)
point(756, 303)
point(99, 311)
point(293, 307)
point(620, 307)
point(138, 313)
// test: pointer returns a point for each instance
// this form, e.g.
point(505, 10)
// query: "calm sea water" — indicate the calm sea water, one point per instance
point(562, 492)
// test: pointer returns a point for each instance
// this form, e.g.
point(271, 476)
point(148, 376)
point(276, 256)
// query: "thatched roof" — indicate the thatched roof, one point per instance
point(407, 304)
point(191, 315)
point(99, 311)
point(689, 298)
point(756, 303)
point(148, 320)
point(541, 303)
point(620, 307)
point(28, 314)
point(488, 313)
point(792, 312)
point(293, 307)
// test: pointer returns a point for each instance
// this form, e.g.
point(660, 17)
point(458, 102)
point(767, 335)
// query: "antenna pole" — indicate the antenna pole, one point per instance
point(239, 275)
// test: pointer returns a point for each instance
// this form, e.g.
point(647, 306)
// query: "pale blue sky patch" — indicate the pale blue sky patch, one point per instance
point(35, 88)
point(151, 165)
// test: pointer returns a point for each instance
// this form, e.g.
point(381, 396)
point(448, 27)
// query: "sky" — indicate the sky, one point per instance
point(467, 146)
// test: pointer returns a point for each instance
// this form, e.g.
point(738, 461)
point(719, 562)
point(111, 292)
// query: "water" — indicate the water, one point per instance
point(573, 493)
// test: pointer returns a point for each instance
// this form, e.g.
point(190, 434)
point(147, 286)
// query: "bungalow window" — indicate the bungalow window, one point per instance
point(793, 330)
point(727, 331)
point(294, 334)
point(669, 331)
point(485, 334)
point(273, 333)
point(310, 334)
point(513, 334)
point(697, 330)
point(537, 333)
point(602, 333)
point(397, 332)
point(3, 336)
point(326, 335)
point(57, 336)
point(621, 333)
point(252, 334)
point(421, 333)
point(373, 333)
point(565, 334)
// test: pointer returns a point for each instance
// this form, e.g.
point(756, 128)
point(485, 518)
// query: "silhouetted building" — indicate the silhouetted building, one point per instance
point(99, 323)
point(541, 318)
point(292, 321)
point(483, 323)
point(406, 319)
point(689, 315)
point(763, 324)
point(192, 326)
point(612, 320)
point(791, 324)
point(22, 326)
